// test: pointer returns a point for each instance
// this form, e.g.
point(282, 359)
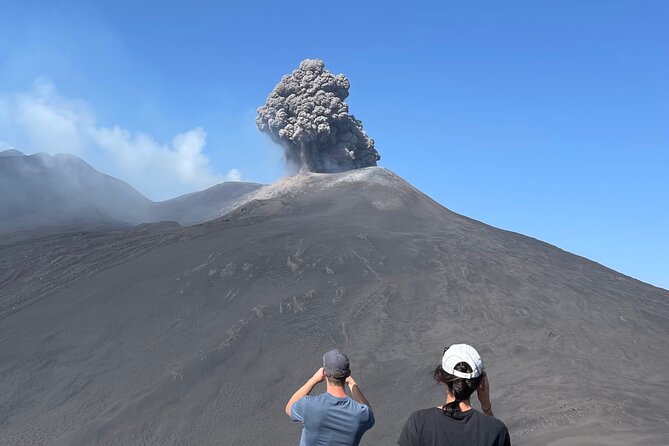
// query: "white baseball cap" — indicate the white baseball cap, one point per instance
point(458, 353)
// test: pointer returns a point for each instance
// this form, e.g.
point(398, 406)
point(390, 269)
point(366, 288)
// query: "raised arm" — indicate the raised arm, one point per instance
point(483, 394)
point(306, 389)
point(356, 393)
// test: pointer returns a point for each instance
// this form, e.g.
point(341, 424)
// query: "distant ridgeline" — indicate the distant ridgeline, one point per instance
point(44, 190)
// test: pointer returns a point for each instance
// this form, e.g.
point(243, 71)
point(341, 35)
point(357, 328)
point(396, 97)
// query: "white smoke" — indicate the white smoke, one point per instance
point(45, 121)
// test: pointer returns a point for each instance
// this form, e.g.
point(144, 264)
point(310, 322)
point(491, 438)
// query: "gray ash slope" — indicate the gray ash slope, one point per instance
point(41, 191)
point(198, 335)
point(44, 190)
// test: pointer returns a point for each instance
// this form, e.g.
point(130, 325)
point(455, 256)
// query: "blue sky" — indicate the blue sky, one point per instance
point(548, 118)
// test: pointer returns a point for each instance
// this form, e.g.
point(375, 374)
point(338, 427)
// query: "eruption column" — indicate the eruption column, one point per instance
point(306, 114)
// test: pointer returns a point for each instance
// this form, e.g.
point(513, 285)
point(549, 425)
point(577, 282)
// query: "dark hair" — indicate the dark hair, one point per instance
point(337, 382)
point(460, 388)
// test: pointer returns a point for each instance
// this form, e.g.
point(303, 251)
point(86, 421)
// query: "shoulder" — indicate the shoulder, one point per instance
point(304, 403)
point(421, 415)
point(359, 407)
point(306, 399)
point(323, 398)
point(492, 421)
point(300, 408)
point(414, 426)
point(362, 413)
point(494, 424)
point(426, 413)
point(308, 404)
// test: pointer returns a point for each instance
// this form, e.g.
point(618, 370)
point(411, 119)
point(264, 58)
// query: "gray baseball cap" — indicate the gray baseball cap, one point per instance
point(336, 364)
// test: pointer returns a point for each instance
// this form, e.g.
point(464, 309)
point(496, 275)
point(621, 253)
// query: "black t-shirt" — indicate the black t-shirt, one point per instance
point(432, 427)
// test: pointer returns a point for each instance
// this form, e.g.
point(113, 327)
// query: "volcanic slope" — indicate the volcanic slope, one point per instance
point(43, 190)
point(200, 334)
point(62, 192)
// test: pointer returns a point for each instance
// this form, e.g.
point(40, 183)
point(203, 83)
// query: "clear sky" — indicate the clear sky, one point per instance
point(548, 118)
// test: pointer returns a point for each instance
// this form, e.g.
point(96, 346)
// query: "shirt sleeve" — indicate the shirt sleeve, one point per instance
point(409, 435)
point(297, 409)
point(505, 438)
point(370, 419)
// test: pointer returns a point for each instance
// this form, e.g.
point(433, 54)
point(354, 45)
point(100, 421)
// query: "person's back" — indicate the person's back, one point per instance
point(456, 422)
point(431, 427)
point(331, 421)
point(333, 418)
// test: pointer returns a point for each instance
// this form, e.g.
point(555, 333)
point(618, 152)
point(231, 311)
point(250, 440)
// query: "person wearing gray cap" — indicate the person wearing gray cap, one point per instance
point(455, 422)
point(331, 418)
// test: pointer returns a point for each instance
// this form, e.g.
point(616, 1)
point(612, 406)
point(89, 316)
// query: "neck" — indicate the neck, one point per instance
point(337, 391)
point(464, 405)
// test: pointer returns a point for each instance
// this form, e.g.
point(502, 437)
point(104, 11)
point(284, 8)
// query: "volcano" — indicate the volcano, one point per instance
point(168, 334)
point(53, 193)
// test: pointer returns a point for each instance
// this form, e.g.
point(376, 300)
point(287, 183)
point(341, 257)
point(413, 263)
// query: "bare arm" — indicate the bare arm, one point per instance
point(483, 394)
point(356, 393)
point(306, 389)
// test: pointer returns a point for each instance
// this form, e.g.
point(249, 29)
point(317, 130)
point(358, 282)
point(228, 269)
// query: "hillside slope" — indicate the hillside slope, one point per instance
point(43, 191)
point(199, 335)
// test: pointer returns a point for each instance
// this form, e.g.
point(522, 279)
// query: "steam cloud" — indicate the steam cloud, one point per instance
point(307, 115)
point(42, 120)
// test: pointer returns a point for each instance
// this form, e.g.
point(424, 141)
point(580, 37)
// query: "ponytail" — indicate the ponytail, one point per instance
point(460, 388)
point(452, 409)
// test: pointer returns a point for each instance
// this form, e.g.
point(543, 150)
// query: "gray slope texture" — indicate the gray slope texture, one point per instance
point(165, 334)
point(42, 191)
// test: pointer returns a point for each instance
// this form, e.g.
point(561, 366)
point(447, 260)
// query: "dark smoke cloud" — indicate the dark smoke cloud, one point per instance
point(307, 115)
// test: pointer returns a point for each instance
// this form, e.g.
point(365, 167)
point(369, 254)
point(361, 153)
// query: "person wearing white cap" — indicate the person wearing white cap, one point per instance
point(456, 422)
point(331, 418)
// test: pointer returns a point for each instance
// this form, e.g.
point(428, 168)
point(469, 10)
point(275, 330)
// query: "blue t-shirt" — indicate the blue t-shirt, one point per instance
point(331, 421)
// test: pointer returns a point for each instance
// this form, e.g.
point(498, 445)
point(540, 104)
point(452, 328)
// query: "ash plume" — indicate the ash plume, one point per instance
point(306, 114)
